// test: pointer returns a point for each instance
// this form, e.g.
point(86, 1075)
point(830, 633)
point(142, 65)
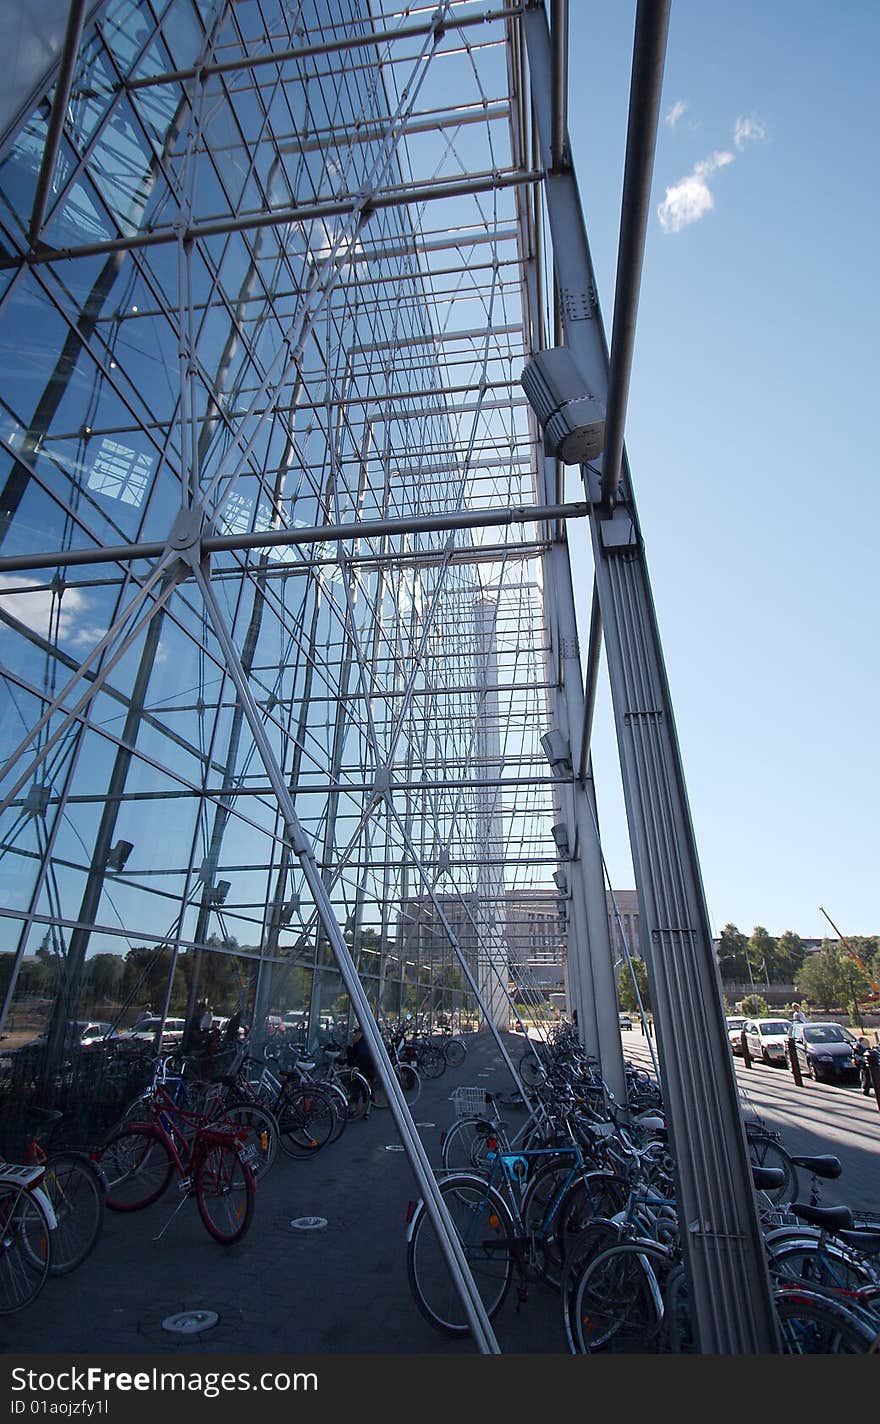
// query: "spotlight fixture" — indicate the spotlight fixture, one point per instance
point(118, 855)
point(556, 748)
point(559, 833)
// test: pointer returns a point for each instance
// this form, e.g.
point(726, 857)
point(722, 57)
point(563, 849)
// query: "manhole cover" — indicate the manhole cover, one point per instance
point(309, 1223)
point(190, 1322)
point(394, 1147)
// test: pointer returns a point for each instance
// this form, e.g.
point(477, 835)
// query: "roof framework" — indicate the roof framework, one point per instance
point(279, 544)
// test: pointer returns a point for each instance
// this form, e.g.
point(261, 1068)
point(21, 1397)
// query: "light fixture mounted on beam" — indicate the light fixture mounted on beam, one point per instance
point(572, 419)
point(118, 855)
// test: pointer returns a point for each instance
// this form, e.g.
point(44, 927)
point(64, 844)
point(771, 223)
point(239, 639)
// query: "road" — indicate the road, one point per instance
point(818, 1117)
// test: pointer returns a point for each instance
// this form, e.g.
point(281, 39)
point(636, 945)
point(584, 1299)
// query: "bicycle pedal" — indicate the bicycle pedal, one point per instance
point(184, 1186)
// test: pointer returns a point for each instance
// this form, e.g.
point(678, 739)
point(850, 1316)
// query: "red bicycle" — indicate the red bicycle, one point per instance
point(213, 1160)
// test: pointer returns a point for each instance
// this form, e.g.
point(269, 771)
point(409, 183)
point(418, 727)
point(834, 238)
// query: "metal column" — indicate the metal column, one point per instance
point(730, 1292)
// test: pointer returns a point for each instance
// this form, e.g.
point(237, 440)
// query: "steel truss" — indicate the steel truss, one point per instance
point(282, 291)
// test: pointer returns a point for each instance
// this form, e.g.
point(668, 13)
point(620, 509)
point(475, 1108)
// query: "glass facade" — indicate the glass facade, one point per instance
point(279, 286)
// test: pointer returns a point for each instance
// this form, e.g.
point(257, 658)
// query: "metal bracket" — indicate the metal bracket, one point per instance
point(618, 534)
point(578, 305)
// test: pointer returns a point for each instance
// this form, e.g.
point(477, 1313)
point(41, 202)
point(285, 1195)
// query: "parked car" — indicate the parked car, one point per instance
point(735, 1025)
point(146, 1030)
point(767, 1040)
point(825, 1051)
point(95, 1032)
point(625, 1021)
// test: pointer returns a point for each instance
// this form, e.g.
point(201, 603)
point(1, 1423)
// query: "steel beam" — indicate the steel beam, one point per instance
point(442, 21)
point(316, 534)
point(60, 100)
point(720, 1230)
point(649, 51)
point(397, 197)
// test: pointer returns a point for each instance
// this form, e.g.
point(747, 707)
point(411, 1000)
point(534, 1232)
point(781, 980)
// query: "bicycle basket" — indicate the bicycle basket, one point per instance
point(469, 1102)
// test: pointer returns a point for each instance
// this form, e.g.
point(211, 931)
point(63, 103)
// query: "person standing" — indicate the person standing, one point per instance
point(797, 1014)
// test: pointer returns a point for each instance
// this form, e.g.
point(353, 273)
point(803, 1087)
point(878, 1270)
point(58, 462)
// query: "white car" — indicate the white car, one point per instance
point(767, 1040)
point(146, 1030)
point(735, 1025)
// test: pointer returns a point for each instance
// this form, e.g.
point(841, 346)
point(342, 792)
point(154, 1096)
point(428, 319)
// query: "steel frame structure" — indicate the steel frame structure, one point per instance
point(273, 294)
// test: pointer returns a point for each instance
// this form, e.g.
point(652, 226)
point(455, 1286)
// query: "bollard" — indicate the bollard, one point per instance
point(874, 1070)
point(793, 1062)
point(747, 1057)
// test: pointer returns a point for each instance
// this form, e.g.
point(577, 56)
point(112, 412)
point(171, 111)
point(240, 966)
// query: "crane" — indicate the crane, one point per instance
point(856, 959)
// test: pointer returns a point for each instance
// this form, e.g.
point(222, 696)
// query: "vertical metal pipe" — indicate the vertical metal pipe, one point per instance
point(559, 38)
point(649, 54)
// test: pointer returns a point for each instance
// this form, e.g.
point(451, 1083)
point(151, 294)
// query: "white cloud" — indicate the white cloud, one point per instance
point(35, 609)
point(716, 160)
point(686, 202)
point(749, 130)
point(675, 113)
point(691, 198)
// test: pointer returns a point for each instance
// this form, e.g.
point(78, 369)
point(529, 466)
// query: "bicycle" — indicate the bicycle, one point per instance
point(172, 1094)
point(306, 1114)
point(408, 1079)
point(506, 1224)
point(214, 1165)
point(75, 1189)
point(27, 1224)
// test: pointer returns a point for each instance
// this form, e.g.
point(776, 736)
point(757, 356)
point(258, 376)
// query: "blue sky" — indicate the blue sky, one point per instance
point(752, 436)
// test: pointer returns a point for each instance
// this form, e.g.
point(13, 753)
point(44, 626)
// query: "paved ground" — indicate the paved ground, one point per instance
point(344, 1290)
point(341, 1290)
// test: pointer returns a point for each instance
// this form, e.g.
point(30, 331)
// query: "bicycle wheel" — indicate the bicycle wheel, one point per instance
point(25, 1247)
point(484, 1227)
point(410, 1086)
point(617, 1303)
point(225, 1188)
point(531, 1070)
point(464, 1148)
point(432, 1062)
point(306, 1121)
point(593, 1196)
point(817, 1325)
point(75, 1188)
point(541, 1206)
point(357, 1090)
point(339, 1104)
point(137, 1167)
point(455, 1052)
point(598, 1236)
point(262, 1134)
point(767, 1152)
point(815, 1262)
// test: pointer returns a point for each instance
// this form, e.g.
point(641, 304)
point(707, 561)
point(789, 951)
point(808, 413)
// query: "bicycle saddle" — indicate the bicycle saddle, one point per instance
point(827, 1166)
point(766, 1178)
point(864, 1239)
point(827, 1218)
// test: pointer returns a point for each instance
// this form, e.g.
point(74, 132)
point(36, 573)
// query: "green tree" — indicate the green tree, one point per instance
point(832, 979)
point(103, 975)
point(733, 953)
point(790, 954)
point(626, 992)
point(755, 1006)
point(763, 954)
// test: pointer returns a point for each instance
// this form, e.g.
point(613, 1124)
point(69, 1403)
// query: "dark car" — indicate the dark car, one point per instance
point(825, 1052)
